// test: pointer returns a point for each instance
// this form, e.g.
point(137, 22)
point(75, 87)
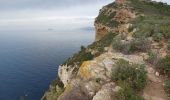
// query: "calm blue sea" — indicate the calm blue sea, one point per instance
point(29, 58)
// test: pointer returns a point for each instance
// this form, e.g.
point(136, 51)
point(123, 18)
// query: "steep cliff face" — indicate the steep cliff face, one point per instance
point(132, 39)
point(115, 18)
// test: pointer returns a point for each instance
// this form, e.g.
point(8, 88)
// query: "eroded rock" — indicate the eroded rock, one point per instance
point(106, 92)
point(65, 73)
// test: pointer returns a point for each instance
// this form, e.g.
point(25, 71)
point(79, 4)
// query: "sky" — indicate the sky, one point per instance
point(14, 12)
point(47, 13)
point(49, 9)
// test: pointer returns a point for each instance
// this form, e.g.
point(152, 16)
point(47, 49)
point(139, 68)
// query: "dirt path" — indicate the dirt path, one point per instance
point(154, 89)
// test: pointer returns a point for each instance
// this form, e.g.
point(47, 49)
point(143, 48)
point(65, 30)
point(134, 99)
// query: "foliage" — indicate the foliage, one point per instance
point(58, 82)
point(101, 44)
point(158, 37)
point(53, 82)
point(156, 26)
point(83, 55)
point(56, 88)
point(106, 18)
point(103, 18)
point(82, 48)
point(134, 75)
point(131, 28)
point(150, 8)
point(126, 93)
point(167, 87)
point(98, 80)
point(79, 57)
point(139, 44)
point(152, 57)
point(169, 44)
point(128, 47)
point(163, 65)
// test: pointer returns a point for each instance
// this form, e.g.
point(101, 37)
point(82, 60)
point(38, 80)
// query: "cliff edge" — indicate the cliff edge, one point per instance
point(129, 59)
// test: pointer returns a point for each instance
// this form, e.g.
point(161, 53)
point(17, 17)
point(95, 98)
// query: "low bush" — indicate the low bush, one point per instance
point(133, 74)
point(98, 80)
point(158, 37)
point(83, 55)
point(169, 44)
point(126, 93)
point(153, 58)
point(56, 82)
point(128, 47)
point(163, 65)
point(79, 57)
point(167, 87)
point(140, 44)
point(143, 30)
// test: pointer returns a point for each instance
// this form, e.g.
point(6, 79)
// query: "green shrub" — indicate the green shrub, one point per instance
point(131, 28)
point(143, 29)
point(117, 44)
point(83, 55)
point(152, 58)
point(82, 48)
point(104, 42)
point(158, 37)
point(98, 80)
point(58, 82)
point(106, 19)
point(139, 44)
point(163, 65)
point(88, 56)
point(169, 44)
point(167, 87)
point(126, 93)
point(53, 83)
point(128, 47)
point(133, 74)
point(79, 57)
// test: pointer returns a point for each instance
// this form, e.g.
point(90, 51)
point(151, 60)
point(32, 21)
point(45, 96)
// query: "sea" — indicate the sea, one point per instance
point(30, 53)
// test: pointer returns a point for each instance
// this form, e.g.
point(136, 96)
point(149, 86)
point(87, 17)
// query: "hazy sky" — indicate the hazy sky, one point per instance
point(10, 9)
point(17, 11)
point(27, 9)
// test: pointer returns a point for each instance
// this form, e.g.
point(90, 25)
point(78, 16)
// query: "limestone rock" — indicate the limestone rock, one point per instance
point(80, 90)
point(65, 74)
point(106, 93)
point(92, 70)
point(122, 16)
point(157, 74)
point(73, 91)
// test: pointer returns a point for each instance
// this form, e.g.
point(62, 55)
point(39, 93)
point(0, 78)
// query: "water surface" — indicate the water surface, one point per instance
point(29, 56)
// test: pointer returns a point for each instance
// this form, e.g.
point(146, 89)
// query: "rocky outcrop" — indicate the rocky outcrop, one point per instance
point(66, 73)
point(107, 92)
point(118, 15)
point(91, 79)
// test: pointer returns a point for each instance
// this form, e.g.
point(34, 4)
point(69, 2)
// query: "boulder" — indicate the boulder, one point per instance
point(107, 92)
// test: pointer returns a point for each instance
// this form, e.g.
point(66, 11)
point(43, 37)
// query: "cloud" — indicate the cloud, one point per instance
point(45, 9)
point(39, 10)
point(44, 4)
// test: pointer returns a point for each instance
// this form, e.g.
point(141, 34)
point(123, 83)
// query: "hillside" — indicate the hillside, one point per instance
point(129, 59)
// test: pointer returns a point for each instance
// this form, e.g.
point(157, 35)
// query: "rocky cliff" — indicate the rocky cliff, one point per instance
point(128, 61)
point(115, 18)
